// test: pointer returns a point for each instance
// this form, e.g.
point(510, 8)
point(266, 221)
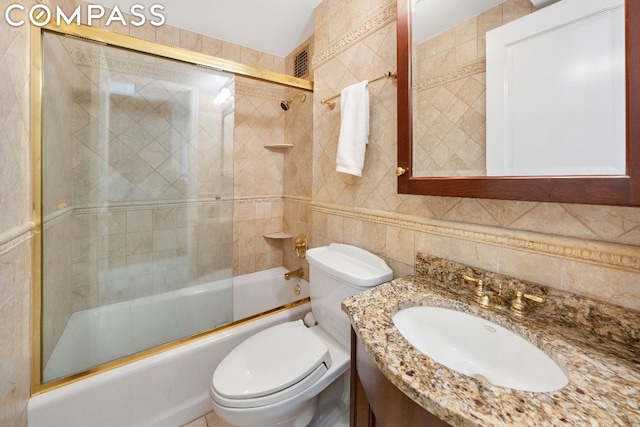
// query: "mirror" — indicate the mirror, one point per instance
point(469, 178)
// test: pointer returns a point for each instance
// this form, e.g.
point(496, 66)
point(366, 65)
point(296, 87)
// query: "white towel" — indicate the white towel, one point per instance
point(354, 128)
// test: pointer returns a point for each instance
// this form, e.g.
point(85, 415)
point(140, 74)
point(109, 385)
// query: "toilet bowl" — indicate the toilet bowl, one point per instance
point(276, 377)
point(297, 402)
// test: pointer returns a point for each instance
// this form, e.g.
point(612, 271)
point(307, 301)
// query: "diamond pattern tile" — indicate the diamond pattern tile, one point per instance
point(145, 142)
point(446, 112)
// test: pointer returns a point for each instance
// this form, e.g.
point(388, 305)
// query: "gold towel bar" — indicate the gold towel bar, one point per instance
point(331, 103)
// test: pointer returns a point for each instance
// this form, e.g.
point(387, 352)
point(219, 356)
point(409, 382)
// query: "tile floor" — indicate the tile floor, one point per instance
point(209, 420)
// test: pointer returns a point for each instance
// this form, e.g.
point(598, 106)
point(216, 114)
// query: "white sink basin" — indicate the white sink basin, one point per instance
point(479, 348)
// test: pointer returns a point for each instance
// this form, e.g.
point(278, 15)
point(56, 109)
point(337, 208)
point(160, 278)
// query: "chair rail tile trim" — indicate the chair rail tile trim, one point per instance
point(467, 70)
point(15, 236)
point(386, 15)
point(610, 255)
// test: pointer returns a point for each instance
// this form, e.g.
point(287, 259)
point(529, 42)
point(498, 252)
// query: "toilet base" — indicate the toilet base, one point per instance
point(333, 414)
point(297, 416)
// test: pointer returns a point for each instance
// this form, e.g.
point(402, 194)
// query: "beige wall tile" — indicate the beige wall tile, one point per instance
point(377, 191)
point(467, 31)
point(112, 223)
point(335, 228)
point(165, 219)
point(138, 221)
point(15, 296)
point(353, 232)
point(446, 41)
point(515, 9)
point(190, 41)
point(211, 46)
point(615, 286)
point(467, 52)
point(400, 245)
point(533, 267)
point(245, 265)
point(263, 210)
point(231, 52)
point(432, 244)
point(374, 238)
point(144, 32)
point(489, 20)
point(168, 35)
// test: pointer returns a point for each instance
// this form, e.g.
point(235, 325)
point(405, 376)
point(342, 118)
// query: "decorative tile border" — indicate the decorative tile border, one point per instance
point(86, 56)
point(271, 198)
point(57, 216)
point(299, 199)
point(386, 15)
point(610, 255)
point(14, 237)
point(137, 206)
point(251, 199)
point(249, 88)
point(464, 71)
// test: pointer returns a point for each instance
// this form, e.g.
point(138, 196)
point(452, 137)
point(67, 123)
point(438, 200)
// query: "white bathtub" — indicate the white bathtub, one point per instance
point(171, 388)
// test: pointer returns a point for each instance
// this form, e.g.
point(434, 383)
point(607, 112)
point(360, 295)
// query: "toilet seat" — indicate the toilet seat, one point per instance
point(270, 366)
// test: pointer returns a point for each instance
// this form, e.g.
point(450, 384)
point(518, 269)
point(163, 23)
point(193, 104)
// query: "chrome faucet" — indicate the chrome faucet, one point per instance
point(295, 273)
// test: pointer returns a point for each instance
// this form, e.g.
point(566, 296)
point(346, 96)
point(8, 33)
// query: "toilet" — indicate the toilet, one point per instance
point(291, 374)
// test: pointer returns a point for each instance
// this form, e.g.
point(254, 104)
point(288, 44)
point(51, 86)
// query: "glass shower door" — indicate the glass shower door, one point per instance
point(137, 184)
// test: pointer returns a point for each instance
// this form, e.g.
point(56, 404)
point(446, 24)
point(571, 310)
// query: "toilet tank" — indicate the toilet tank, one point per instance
point(336, 272)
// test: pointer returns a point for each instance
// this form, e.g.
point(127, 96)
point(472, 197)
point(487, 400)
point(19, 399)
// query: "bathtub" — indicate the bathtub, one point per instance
point(169, 388)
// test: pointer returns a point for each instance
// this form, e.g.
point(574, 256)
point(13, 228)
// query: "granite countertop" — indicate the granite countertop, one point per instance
point(597, 344)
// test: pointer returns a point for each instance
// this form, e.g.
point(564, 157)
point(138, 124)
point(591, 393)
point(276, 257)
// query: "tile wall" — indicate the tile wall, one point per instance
point(259, 178)
point(449, 129)
point(15, 225)
point(589, 250)
point(15, 310)
point(298, 164)
point(259, 120)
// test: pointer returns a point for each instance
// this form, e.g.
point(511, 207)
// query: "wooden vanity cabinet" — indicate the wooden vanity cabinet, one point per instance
point(376, 402)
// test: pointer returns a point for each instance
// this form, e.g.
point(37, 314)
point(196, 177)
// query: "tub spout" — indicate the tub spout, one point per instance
point(295, 273)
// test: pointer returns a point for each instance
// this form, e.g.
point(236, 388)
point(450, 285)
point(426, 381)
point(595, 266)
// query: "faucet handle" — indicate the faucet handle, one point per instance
point(479, 283)
point(535, 298)
point(519, 306)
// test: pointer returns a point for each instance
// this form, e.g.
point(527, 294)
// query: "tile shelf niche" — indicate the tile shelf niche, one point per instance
point(279, 235)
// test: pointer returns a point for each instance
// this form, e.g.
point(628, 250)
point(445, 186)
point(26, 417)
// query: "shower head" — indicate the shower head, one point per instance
point(286, 104)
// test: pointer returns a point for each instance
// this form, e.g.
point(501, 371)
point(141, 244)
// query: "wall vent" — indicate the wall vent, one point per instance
point(301, 63)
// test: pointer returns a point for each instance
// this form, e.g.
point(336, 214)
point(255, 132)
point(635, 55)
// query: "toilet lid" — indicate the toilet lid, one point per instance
point(270, 361)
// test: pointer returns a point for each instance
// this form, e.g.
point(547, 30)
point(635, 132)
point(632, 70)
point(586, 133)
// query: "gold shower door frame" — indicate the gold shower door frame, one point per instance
point(37, 86)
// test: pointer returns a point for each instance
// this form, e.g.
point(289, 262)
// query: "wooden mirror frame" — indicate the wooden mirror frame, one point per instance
point(621, 190)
